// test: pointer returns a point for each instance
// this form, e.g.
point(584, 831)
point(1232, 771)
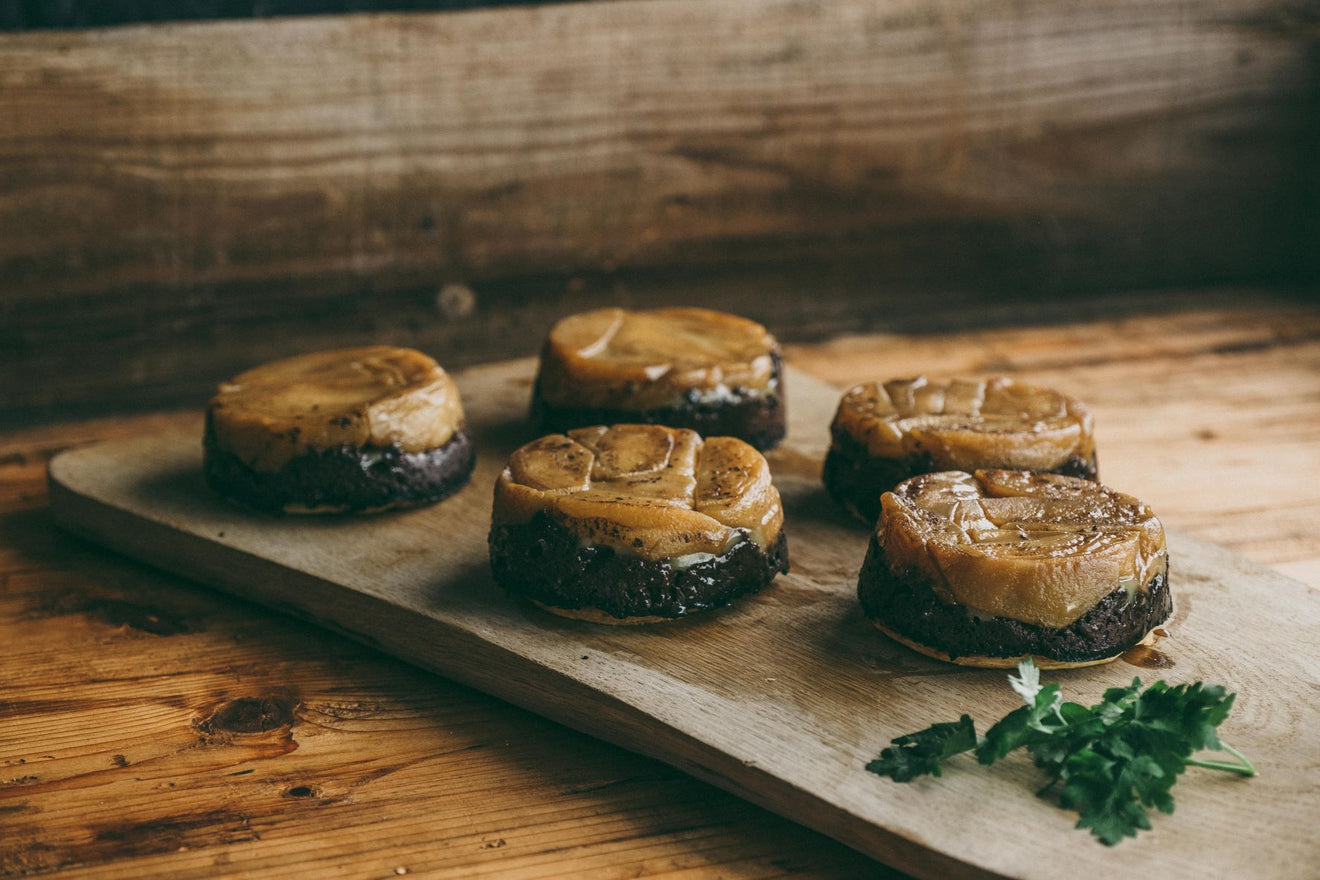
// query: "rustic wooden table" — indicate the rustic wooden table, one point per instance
point(152, 728)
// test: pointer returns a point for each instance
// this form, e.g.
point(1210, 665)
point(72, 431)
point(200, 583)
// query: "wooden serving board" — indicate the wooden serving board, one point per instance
point(781, 699)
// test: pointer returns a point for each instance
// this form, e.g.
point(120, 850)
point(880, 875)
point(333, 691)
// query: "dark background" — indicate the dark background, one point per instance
point(32, 14)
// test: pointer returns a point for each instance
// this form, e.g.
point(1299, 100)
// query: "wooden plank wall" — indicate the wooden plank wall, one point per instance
point(178, 201)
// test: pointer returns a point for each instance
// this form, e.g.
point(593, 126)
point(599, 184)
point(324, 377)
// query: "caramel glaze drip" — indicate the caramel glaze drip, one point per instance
point(967, 424)
point(1038, 548)
point(646, 490)
point(618, 359)
point(360, 397)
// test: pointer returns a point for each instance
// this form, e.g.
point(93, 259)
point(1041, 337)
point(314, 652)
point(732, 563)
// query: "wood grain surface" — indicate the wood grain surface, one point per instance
point(780, 699)
point(112, 668)
point(176, 201)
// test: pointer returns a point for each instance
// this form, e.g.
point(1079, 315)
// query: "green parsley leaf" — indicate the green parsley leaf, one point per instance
point(1036, 722)
point(920, 754)
point(1110, 763)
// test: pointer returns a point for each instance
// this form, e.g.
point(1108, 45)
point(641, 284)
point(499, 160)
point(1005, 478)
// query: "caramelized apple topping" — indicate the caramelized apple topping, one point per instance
point(967, 424)
point(361, 397)
point(1038, 548)
point(614, 358)
point(647, 490)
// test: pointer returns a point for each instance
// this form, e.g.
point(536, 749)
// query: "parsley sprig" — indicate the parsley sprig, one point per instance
point(1109, 762)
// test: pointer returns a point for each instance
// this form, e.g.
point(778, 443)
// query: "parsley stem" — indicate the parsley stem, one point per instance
point(1243, 767)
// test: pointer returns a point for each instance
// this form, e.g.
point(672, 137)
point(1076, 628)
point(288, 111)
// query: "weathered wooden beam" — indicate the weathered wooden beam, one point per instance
point(179, 199)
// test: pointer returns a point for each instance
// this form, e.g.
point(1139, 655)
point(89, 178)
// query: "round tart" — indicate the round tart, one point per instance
point(986, 569)
point(356, 430)
point(884, 433)
point(635, 523)
point(715, 373)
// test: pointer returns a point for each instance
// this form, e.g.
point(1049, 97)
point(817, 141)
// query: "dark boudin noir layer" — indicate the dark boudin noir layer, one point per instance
point(906, 604)
point(857, 479)
point(757, 418)
point(543, 561)
point(346, 478)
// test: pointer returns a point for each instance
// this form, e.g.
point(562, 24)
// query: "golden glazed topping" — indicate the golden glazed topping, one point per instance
point(613, 358)
point(1038, 548)
point(964, 424)
point(361, 397)
point(646, 490)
